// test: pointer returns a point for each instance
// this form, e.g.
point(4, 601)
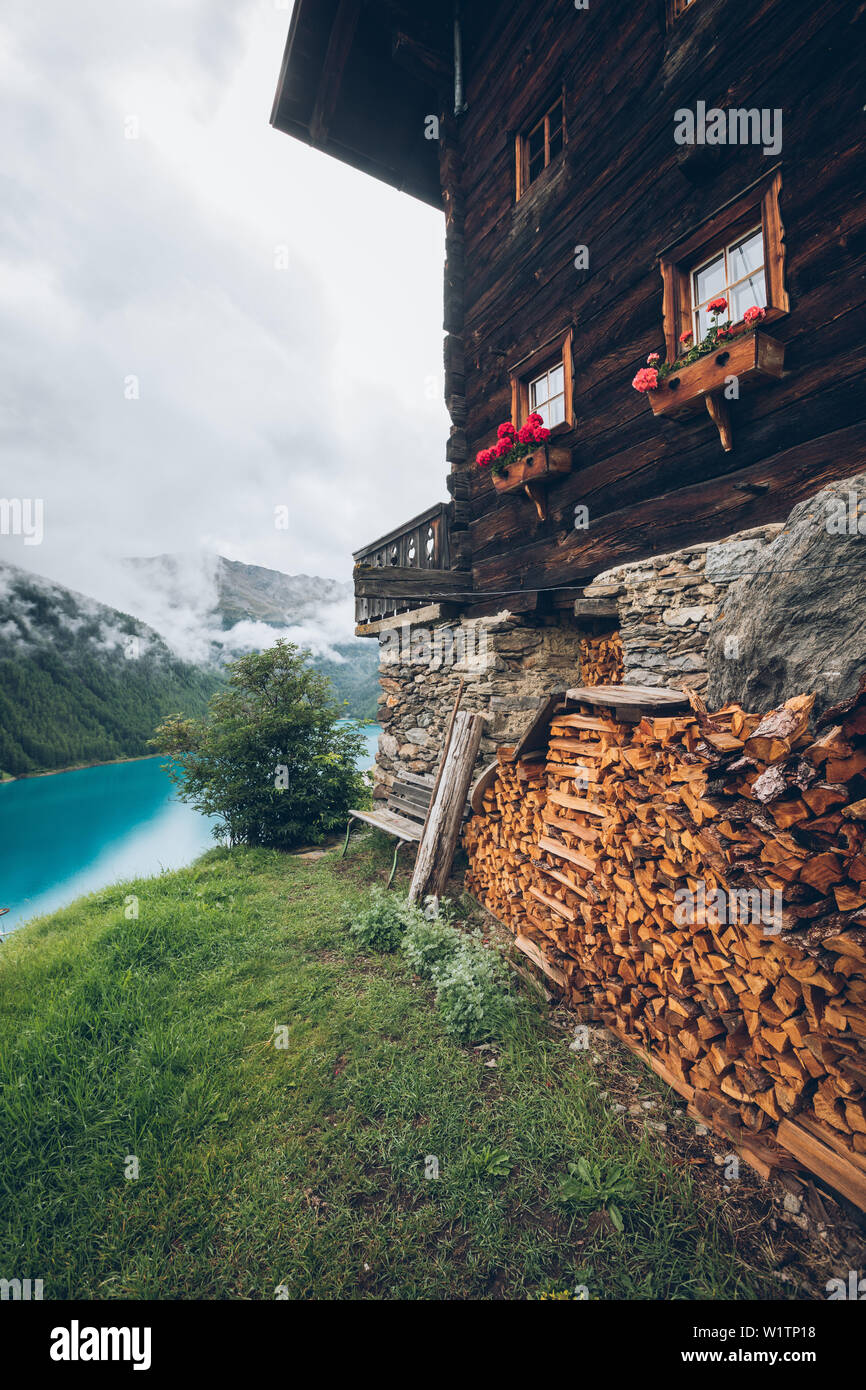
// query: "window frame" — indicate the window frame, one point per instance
point(522, 181)
point(556, 351)
point(677, 264)
point(723, 253)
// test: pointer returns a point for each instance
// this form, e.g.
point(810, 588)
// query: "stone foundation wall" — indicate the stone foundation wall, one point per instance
point(508, 664)
point(668, 605)
point(668, 608)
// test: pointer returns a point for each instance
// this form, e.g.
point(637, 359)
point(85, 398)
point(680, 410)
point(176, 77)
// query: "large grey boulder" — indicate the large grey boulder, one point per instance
point(796, 621)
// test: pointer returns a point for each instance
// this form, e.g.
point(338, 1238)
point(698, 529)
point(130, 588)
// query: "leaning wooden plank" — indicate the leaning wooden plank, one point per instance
point(535, 736)
point(562, 852)
point(529, 948)
point(436, 851)
point(553, 903)
point(826, 1163)
point(483, 783)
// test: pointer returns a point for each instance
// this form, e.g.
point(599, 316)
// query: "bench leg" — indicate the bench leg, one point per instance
point(349, 829)
point(394, 864)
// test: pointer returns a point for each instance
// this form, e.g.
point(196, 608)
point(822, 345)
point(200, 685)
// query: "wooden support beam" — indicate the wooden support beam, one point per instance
point(404, 582)
point(339, 48)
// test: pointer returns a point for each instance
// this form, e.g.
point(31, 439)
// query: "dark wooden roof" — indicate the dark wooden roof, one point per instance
point(360, 77)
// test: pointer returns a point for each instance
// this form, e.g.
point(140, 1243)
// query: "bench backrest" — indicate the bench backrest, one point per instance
point(410, 796)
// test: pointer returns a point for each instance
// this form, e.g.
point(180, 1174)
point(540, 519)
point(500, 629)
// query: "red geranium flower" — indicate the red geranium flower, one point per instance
point(647, 379)
point(653, 358)
point(535, 419)
point(485, 458)
point(503, 447)
point(684, 337)
point(753, 315)
point(716, 306)
point(506, 430)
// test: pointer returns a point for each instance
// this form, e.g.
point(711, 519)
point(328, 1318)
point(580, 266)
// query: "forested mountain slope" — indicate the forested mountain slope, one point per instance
point(81, 682)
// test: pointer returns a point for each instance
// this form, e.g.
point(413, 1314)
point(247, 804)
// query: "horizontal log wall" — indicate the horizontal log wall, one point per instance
point(652, 484)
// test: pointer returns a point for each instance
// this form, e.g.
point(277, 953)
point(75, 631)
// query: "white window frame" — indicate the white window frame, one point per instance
point(724, 253)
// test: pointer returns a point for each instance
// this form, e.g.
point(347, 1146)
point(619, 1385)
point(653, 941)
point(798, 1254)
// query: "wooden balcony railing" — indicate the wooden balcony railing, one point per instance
point(408, 569)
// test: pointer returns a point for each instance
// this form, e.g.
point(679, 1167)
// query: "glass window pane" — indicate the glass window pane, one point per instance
point(709, 280)
point(748, 294)
point(535, 166)
point(536, 142)
point(544, 412)
point(747, 255)
point(704, 322)
point(555, 140)
point(538, 391)
point(556, 382)
point(555, 412)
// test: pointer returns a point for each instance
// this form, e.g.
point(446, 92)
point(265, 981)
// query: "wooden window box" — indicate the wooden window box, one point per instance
point(750, 357)
point(534, 472)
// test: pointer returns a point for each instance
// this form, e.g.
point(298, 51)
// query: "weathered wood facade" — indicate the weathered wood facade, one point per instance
point(623, 188)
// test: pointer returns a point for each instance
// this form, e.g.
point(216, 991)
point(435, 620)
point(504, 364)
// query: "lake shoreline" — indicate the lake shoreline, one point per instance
point(78, 767)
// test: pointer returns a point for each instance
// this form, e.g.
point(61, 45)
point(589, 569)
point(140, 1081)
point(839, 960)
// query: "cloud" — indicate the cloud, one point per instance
point(163, 386)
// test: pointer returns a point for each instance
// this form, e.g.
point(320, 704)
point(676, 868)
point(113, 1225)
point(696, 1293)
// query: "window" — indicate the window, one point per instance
point(678, 7)
point(547, 395)
point(739, 253)
point(541, 383)
point(737, 272)
point(540, 146)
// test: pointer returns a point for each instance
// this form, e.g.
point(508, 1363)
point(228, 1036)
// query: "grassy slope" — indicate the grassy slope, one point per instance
point(303, 1167)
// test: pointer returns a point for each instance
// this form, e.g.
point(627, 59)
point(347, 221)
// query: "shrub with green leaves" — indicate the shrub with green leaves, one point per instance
point(470, 979)
point(382, 923)
point(471, 993)
point(430, 944)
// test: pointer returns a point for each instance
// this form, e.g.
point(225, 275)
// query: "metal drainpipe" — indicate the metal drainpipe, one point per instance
point(459, 103)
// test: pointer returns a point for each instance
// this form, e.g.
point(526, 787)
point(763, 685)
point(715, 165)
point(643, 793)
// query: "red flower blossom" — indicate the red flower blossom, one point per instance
point(540, 434)
point(485, 458)
point(647, 379)
point(716, 306)
point(506, 430)
point(684, 337)
point(527, 434)
point(753, 315)
point(653, 358)
point(503, 447)
point(535, 419)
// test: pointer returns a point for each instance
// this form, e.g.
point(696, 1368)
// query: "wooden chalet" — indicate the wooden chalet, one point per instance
point(587, 228)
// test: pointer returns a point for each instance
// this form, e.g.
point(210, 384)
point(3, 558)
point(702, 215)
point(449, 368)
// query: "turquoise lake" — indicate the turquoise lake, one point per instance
point(74, 832)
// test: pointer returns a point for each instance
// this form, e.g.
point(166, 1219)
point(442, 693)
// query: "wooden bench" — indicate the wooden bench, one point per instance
point(404, 814)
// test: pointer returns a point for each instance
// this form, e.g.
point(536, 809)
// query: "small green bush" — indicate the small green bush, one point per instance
point(382, 923)
point(470, 979)
point(429, 944)
point(471, 993)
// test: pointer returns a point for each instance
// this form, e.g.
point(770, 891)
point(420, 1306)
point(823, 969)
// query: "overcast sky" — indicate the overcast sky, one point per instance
point(316, 387)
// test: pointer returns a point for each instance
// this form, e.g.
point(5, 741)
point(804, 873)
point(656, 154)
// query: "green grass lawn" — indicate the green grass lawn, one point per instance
point(304, 1166)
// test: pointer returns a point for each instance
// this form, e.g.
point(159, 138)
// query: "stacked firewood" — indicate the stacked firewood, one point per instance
point(501, 841)
point(601, 661)
point(704, 876)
